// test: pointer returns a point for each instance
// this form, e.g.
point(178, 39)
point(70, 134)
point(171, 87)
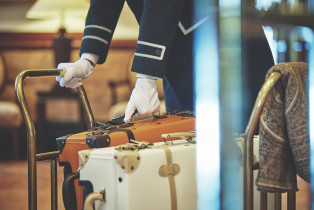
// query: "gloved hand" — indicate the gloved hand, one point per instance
point(144, 98)
point(75, 72)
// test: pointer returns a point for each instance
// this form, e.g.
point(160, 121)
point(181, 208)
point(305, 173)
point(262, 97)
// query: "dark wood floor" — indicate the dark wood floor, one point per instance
point(13, 186)
point(303, 196)
point(14, 194)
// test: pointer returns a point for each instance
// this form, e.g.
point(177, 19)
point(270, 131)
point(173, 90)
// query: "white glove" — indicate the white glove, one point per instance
point(144, 98)
point(75, 72)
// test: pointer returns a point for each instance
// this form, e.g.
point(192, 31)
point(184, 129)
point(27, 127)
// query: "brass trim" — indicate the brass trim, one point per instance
point(248, 143)
point(29, 123)
point(89, 117)
point(277, 201)
point(291, 203)
point(54, 184)
point(47, 156)
point(263, 201)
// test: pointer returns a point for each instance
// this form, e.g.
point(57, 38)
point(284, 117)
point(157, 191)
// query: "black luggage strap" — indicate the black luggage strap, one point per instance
point(68, 192)
point(117, 120)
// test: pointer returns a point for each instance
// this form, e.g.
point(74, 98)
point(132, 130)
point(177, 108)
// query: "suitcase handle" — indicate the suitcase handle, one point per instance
point(31, 135)
point(68, 191)
point(186, 135)
point(92, 197)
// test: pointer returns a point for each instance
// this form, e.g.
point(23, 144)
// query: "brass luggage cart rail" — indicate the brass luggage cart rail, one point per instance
point(32, 155)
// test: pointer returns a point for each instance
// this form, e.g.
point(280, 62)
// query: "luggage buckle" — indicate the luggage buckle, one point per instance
point(134, 145)
point(159, 116)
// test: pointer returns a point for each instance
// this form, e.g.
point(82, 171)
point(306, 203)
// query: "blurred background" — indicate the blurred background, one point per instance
point(40, 34)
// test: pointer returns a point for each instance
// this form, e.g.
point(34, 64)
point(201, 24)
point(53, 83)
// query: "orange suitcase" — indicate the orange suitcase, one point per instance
point(111, 134)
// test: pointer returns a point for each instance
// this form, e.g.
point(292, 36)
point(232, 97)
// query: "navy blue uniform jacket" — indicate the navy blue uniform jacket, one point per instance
point(164, 47)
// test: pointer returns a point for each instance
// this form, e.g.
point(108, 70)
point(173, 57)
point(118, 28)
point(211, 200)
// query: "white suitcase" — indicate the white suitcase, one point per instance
point(160, 177)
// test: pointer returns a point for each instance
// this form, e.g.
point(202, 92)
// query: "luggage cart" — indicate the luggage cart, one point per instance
point(32, 156)
point(249, 165)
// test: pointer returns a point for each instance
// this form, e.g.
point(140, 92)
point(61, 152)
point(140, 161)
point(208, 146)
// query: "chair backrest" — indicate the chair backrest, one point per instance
point(2, 73)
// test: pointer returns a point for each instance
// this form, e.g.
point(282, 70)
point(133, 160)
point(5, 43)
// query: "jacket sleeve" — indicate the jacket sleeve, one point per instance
point(100, 24)
point(158, 28)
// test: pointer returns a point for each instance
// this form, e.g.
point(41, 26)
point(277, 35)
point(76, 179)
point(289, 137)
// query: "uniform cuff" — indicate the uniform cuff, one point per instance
point(92, 57)
point(145, 76)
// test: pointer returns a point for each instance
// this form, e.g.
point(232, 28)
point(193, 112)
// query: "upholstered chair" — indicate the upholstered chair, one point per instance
point(10, 116)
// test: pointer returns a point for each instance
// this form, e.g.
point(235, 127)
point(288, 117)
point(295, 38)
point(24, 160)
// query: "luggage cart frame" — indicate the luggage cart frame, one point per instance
point(32, 156)
point(248, 164)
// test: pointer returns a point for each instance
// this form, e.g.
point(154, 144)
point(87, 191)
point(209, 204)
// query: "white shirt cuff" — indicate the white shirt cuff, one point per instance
point(92, 57)
point(145, 76)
